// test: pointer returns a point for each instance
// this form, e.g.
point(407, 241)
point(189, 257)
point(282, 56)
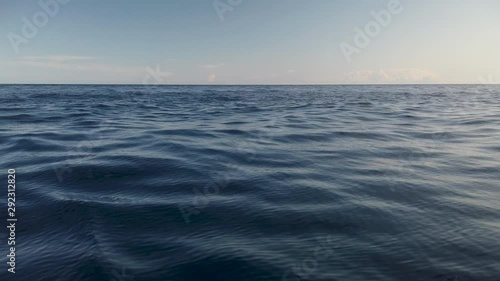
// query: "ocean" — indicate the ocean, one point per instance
point(166, 183)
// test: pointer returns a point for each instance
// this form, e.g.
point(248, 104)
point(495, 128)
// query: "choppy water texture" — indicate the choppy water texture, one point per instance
point(253, 182)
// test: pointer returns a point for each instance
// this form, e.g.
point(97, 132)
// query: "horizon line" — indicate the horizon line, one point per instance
point(318, 84)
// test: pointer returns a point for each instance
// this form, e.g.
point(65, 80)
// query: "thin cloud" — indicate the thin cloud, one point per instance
point(211, 78)
point(75, 63)
point(56, 58)
point(211, 66)
point(392, 76)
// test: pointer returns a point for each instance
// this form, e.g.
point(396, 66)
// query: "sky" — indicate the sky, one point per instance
point(250, 41)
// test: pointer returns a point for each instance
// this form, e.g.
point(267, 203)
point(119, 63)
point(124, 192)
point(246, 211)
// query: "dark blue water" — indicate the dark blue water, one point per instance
point(119, 183)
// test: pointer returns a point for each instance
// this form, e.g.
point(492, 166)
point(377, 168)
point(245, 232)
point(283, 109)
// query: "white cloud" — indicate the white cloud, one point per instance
point(290, 71)
point(392, 76)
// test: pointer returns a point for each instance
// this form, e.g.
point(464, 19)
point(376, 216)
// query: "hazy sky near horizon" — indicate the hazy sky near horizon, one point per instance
point(254, 42)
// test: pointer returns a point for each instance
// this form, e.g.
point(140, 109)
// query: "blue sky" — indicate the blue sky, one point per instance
point(252, 42)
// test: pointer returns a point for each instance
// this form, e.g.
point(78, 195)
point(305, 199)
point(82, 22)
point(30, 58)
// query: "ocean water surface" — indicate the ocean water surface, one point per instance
point(118, 183)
